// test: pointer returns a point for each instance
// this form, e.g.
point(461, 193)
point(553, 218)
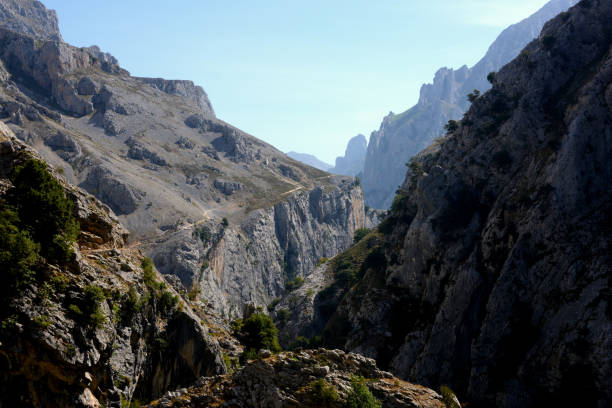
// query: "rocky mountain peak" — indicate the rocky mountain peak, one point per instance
point(29, 17)
point(351, 164)
point(403, 135)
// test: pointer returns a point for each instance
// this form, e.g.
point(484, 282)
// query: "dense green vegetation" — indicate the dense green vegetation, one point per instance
point(18, 255)
point(256, 332)
point(44, 210)
point(36, 220)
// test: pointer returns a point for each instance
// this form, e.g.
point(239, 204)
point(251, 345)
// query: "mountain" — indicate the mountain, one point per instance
point(231, 216)
point(492, 271)
point(403, 135)
point(89, 324)
point(351, 164)
point(310, 160)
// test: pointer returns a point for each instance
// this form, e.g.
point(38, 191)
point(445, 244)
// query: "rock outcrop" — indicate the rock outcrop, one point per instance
point(291, 379)
point(54, 354)
point(29, 17)
point(351, 164)
point(403, 135)
point(186, 89)
point(496, 270)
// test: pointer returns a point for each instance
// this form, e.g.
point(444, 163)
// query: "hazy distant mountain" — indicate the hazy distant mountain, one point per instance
point(353, 160)
point(402, 135)
point(310, 160)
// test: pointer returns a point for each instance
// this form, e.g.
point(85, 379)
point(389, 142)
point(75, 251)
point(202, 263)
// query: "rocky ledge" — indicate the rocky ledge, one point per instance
point(311, 378)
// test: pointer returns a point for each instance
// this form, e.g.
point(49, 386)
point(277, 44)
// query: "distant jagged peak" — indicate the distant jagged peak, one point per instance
point(29, 17)
point(351, 164)
point(357, 145)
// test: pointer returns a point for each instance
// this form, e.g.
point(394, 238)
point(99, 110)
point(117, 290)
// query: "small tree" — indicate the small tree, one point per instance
point(491, 77)
point(360, 234)
point(18, 256)
point(44, 210)
point(257, 332)
point(473, 95)
point(360, 396)
point(451, 126)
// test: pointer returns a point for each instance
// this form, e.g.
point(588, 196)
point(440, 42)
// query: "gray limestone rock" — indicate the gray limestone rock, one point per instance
point(122, 198)
point(64, 145)
point(186, 89)
point(227, 187)
point(29, 17)
point(87, 87)
point(286, 380)
point(496, 277)
point(403, 135)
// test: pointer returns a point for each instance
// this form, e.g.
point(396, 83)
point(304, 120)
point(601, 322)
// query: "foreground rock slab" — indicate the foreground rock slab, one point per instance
point(286, 380)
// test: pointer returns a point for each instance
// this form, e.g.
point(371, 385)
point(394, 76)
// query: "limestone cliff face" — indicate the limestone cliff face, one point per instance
point(52, 355)
point(251, 262)
point(496, 275)
point(403, 135)
point(29, 17)
point(154, 152)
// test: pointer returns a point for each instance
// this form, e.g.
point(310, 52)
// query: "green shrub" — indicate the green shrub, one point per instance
point(42, 321)
point(322, 393)
point(273, 304)
point(322, 261)
point(93, 296)
point(203, 233)
point(18, 256)
point(451, 126)
point(248, 354)
point(167, 301)
point(472, 96)
point(360, 234)
point(282, 315)
point(491, 77)
point(148, 275)
point(225, 222)
point(44, 210)
point(257, 332)
point(360, 396)
point(294, 283)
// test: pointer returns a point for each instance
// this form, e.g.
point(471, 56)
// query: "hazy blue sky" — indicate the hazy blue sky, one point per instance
point(301, 75)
